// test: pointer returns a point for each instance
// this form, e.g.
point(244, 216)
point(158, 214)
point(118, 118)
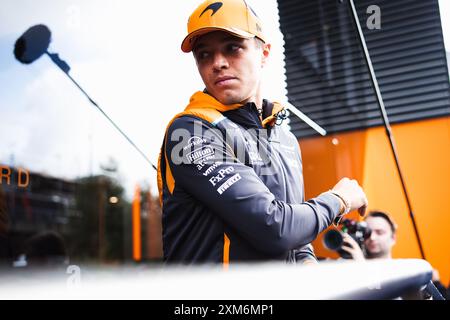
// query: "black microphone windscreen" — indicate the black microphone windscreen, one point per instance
point(32, 44)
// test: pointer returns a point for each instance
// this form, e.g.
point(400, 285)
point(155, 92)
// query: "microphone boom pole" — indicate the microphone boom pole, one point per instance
point(33, 44)
point(65, 68)
point(385, 121)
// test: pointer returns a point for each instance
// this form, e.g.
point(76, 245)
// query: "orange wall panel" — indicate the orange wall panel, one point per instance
point(424, 152)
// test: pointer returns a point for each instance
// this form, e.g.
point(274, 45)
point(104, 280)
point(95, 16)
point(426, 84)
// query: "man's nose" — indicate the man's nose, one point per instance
point(220, 61)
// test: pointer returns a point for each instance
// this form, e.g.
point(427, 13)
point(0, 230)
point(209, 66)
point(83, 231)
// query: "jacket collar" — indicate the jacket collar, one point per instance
point(204, 100)
point(246, 115)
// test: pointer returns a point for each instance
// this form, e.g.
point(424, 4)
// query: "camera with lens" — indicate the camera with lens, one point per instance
point(359, 231)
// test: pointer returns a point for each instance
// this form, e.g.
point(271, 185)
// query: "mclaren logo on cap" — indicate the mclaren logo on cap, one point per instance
point(214, 7)
point(248, 7)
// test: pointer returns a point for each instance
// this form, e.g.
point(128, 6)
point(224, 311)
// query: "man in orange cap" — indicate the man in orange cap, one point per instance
point(230, 178)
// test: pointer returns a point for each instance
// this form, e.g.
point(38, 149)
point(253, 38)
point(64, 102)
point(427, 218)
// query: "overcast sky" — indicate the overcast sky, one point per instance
point(126, 55)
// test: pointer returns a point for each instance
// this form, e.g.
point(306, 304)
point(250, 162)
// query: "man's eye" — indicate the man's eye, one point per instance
point(233, 47)
point(202, 55)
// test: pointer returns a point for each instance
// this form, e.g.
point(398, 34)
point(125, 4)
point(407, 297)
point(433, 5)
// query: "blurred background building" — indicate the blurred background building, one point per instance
point(66, 172)
point(328, 77)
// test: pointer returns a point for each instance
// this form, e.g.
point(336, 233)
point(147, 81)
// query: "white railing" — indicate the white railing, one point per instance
point(382, 279)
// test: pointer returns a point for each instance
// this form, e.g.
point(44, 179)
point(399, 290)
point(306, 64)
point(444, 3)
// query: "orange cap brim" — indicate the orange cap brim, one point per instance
point(188, 42)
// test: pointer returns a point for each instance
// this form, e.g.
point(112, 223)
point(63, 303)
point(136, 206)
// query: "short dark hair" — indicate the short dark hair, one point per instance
point(385, 216)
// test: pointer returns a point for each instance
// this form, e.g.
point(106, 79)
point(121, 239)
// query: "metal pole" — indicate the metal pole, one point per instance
point(305, 118)
point(65, 68)
point(386, 121)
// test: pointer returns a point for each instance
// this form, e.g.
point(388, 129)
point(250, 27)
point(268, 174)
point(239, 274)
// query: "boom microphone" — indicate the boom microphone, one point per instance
point(33, 44)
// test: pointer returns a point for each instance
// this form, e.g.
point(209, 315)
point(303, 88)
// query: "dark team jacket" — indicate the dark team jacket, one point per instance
point(231, 187)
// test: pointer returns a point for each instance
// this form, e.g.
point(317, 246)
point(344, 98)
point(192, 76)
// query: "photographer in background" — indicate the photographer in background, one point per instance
point(379, 244)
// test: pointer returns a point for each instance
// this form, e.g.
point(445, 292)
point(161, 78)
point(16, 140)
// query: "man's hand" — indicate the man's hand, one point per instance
point(351, 247)
point(353, 193)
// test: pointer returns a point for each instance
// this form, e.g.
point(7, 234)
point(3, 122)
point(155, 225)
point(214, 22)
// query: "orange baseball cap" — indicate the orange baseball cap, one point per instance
point(233, 16)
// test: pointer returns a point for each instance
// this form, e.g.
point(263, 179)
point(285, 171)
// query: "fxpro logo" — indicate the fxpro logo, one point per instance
point(222, 173)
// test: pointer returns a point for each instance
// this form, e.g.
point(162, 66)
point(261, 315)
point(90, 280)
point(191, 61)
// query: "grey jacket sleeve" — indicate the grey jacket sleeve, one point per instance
point(305, 254)
point(205, 167)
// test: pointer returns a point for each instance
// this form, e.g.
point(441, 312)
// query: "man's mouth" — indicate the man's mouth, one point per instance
point(225, 80)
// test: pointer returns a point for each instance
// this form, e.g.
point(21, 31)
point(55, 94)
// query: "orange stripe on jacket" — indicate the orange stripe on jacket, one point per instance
point(226, 251)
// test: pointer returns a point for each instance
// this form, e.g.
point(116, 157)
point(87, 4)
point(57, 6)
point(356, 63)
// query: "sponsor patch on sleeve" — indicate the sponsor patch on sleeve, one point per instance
point(200, 154)
point(227, 184)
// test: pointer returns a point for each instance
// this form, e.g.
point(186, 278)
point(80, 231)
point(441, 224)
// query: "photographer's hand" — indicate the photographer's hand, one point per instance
point(353, 194)
point(351, 247)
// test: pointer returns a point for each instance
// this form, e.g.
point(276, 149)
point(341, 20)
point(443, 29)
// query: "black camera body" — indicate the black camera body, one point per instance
point(359, 231)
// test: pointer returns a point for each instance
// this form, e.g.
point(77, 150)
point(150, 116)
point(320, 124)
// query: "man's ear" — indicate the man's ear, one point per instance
point(265, 53)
